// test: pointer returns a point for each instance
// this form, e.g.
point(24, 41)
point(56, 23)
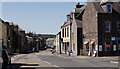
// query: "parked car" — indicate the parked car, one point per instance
point(6, 58)
point(42, 48)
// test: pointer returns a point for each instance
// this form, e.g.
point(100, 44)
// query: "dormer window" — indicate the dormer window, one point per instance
point(109, 8)
point(68, 18)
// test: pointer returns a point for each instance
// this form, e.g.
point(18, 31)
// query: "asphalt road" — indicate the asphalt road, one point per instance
point(46, 60)
point(78, 62)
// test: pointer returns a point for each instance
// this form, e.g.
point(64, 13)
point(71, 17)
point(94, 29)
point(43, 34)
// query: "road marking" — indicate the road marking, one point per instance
point(55, 66)
point(29, 66)
point(50, 63)
point(114, 62)
point(46, 62)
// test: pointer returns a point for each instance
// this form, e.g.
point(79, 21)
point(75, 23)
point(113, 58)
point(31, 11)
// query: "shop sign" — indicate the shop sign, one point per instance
point(107, 46)
point(100, 47)
point(113, 38)
point(119, 38)
point(114, 47)
point(116, 38)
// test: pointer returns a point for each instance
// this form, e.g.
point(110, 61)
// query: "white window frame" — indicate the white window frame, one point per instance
point(110, 8)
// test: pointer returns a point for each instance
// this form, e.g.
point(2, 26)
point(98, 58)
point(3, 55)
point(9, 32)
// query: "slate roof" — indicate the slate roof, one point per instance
point(78, 10)
point(78, 23)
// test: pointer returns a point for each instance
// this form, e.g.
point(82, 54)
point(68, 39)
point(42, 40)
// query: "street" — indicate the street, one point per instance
point(45, 59)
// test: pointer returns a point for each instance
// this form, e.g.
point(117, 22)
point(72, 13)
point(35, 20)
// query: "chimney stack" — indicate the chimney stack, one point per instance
point(78, 5)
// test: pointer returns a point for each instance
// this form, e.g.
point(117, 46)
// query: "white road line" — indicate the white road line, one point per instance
point(46, 62)
point(114, 62)
point(29, 66)
point(55, 66)
point(50, 63)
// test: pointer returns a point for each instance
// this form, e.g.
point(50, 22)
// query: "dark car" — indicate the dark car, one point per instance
point(42, 48)
point(35, 50)
point(6, 58)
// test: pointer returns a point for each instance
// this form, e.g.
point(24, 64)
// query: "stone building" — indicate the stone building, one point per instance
point(9, 36)
point(71, 31)
point(58, 43)
point(76, 29)
point(1, 22)
point(101, 25)
point(4, 34)
point(23, 40)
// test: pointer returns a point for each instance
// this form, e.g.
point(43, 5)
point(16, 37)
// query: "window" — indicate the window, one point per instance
point(67, 31)
point(68, 18)
point(118, 26)
point(62, 32)
point(107, 46)
point(109, 8)
point(107, 27)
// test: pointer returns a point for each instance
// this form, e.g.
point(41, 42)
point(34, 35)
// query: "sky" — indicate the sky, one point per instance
point(38, 17)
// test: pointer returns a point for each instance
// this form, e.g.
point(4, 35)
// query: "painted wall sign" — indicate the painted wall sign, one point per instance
point(100, 47)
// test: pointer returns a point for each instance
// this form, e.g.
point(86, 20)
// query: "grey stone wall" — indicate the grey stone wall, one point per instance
point(89, 25)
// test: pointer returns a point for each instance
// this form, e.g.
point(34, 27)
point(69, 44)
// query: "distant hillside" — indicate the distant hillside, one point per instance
point(46, 36)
